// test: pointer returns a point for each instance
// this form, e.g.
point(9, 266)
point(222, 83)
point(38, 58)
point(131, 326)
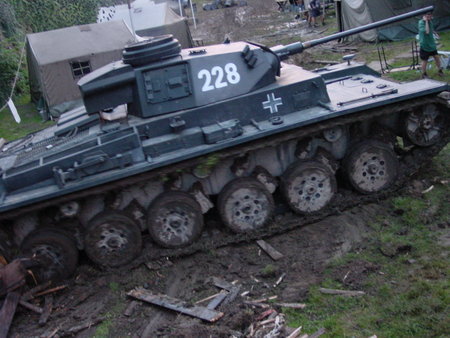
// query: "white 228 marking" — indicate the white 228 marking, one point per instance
point(231, 76)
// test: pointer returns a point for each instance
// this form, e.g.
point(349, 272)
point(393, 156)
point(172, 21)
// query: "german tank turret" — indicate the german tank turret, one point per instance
point(167, 134)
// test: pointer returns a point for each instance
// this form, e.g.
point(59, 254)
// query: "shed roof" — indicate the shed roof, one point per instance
point(77, 41)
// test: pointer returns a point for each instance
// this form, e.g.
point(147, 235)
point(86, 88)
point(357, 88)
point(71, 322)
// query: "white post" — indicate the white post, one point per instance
point(131, 21)
point(181, 11)
point(193, 14)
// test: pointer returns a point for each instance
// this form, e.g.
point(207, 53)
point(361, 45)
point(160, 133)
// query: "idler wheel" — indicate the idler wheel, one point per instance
point(424, 127)
point(112, 239)
point(55, 250)
point(174, 219)
point(245, 204)
point(371, 167)
point(156, 48)
point(308, 186)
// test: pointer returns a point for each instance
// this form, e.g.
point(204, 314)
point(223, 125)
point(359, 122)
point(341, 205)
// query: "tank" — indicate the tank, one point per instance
point(168, 138)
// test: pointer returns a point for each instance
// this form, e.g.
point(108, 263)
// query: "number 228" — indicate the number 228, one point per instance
point(219, 77)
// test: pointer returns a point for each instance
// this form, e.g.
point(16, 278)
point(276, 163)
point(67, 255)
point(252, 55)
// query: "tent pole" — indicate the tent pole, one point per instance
point(193, 14)
point(131, 21)
point(179, 4)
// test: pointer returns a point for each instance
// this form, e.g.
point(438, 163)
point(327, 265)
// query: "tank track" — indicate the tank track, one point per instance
point(410, 163)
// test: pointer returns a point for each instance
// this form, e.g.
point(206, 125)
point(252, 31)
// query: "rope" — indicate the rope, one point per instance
point(16, 77)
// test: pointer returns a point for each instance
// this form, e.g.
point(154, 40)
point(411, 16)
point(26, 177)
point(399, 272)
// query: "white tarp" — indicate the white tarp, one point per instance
point(149, 19)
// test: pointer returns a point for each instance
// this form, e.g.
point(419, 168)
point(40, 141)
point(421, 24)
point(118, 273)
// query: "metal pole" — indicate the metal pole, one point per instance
point(179, 4)
point(193, 14)
point(131, 21)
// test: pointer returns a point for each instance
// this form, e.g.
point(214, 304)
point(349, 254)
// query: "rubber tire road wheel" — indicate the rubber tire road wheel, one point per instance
point(174, 219)
point(245, 205)
point(425, 127)
point(371, 166)
point(56, 250)
point(308, 186)
point(112, 239)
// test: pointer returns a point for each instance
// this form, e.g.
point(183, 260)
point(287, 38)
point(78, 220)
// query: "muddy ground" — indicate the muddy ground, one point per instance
point(94, 301)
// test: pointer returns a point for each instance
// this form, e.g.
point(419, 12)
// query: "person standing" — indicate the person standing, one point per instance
point(314, 12)
point(428, 44)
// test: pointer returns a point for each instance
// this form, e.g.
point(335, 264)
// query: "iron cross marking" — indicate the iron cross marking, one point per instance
point(272, 103)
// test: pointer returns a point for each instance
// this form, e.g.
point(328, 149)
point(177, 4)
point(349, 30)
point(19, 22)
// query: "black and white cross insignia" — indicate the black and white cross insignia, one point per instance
point(272, 103)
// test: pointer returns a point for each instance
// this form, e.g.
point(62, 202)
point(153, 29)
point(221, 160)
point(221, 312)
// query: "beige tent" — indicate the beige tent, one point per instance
point(58, 59)
point(150, 19)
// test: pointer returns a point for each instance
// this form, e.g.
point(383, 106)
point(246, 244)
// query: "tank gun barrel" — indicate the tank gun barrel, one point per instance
point(297, 47)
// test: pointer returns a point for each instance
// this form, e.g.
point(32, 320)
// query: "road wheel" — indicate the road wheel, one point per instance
point(112, 239)
point(174, 219)
point(425, 125)
point(56, 252)
point(371, 167)
point(245, 204)
point(308, 186)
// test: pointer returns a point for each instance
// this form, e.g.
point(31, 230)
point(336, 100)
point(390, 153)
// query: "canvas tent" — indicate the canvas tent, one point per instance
point(57, 59)
point(150, 19)
point(355, 13)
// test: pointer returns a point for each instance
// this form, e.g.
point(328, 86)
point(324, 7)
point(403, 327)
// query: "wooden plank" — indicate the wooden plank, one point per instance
point(130, 308)
point(12, 276)
point(291, 305)
point(30, 293)
point(270, 250)
point(217, 300)
point(48, 307)
point(342, 292)
point(176, 305)
point(7, 312)
point(30, 306)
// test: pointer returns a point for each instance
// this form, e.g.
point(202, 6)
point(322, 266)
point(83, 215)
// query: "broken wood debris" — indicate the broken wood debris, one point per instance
point(130, 308)
point(428, 189)
point(270, 327)
point(279, 280)
point(158, 264)
point(75, 329)
point(12, 276)
point(48, 307)
point(46, 292)
point(270, 250)
point(7, 312)
point(217, 300)
point(291, 305)
point(342, 292)
point(176, 305)
point(30, 306)
point(207, 298)
point(30, 293)
point(295, 333)
point(233, 290)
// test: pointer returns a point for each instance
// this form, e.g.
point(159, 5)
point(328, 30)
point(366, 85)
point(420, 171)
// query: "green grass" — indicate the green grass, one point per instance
point(31, 120)
point(409, 294)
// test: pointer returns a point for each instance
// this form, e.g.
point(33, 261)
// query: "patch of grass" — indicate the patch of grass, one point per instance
point(104, 329)
point(31, 120)
point(114, 286)
point(269, 270)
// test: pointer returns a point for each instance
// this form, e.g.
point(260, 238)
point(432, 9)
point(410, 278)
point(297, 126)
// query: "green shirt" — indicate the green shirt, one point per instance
point(427, 42)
